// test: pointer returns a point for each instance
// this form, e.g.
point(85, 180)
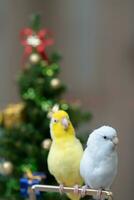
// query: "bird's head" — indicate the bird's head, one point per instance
point(105, 137)
point(60, 125)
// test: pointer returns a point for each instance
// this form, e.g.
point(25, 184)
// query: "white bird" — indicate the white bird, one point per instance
point(99, 163)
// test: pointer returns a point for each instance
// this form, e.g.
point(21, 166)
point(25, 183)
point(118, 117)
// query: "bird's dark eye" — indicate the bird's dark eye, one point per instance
point(105, 137)
point(55, 120)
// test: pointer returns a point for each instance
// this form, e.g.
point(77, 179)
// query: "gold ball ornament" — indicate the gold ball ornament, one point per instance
point(12, 115)
point(1, 118)
point(7, 168)
point(46, 144)
point(55, 83)
point(34, 58)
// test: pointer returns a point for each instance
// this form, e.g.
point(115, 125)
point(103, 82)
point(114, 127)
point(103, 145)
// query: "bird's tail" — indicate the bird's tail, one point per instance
point(73, 196)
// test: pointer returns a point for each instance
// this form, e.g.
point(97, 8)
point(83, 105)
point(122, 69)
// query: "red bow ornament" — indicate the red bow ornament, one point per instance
point(38, 42)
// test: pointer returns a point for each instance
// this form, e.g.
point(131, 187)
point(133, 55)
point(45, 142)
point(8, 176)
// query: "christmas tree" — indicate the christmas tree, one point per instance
point(24, 130)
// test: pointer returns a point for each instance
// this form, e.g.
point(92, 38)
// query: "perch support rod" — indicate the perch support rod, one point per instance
point(50, 188)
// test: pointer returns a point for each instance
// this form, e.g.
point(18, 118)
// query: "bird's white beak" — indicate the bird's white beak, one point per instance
point(115, 140)
point(65, 123)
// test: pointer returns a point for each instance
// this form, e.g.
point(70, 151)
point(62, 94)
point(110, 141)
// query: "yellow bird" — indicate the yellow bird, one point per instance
point(65, 153)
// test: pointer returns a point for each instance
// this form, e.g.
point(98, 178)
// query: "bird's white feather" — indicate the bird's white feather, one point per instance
point(99, 162)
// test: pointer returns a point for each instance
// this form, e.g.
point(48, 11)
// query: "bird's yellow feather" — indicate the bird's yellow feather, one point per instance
point(65, 153)
point(57, 129)
point(64, 161)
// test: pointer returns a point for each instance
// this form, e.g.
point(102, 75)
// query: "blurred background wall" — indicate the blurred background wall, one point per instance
point(96, 39)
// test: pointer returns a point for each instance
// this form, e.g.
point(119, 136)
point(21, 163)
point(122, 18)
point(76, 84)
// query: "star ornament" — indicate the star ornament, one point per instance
point(33, 40)
point(36, 40)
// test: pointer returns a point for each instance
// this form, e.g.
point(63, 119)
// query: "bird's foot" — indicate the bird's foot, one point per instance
point(99, 194)
point(83, 191)
point(76, 189)
point(61, 188)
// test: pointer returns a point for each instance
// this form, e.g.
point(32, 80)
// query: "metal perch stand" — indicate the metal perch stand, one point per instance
point(50, 188)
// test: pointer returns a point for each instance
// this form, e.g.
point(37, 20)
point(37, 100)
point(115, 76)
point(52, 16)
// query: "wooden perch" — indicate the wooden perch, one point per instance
point(51, 188)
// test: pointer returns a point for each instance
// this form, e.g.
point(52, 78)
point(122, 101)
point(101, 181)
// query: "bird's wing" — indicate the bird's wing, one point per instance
point(104, 171)
point(64, 161)
point(98, 172)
